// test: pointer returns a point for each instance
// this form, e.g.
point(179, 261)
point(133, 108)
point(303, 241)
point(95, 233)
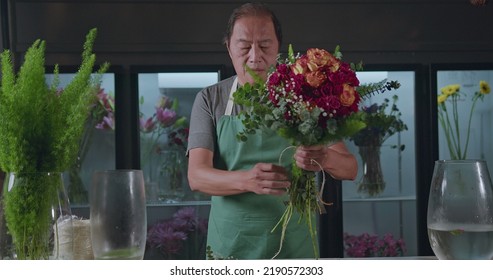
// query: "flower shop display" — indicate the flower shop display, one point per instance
point(449, 118)
point(366, 246)
point(309, 99)
point(40, 130)
point(380, 125)
point(164, 138)
point(183, 236)
point(174, 165)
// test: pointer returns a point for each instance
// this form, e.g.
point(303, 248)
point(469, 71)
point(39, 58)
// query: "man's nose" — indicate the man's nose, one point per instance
point(255, 54)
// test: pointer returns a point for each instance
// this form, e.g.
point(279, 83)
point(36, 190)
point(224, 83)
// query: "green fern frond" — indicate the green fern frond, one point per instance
point(367, 90)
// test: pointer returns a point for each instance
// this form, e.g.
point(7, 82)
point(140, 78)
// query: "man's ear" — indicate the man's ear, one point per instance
point(227, 47)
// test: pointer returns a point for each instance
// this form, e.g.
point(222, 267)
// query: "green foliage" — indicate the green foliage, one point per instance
point(28, 216)
point(381, 123)
point(40, 131)
point(40, 127)
point(367, 90)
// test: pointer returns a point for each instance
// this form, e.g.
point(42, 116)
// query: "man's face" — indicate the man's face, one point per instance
point(253, 43)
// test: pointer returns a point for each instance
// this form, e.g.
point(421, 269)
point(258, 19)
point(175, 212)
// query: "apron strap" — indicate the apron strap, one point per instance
point(229, 106)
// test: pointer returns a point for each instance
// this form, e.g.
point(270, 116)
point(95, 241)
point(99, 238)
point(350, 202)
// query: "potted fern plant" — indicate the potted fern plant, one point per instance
point(40, 128)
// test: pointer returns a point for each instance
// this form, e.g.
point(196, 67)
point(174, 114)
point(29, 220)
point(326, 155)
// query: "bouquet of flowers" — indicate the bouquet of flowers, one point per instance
point(453, 94)
point(309, 99)
point(380, 125)
point(366, 245)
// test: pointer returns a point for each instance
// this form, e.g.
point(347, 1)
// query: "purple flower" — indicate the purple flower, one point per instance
point(107, 123)
point(366, 245)
point(166, 117)
point(166, 238)
point(170, 235)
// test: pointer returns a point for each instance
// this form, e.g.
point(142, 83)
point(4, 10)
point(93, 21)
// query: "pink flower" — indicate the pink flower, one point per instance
point(102, 111)
point(107, 123)
point(148, 125)
point(366, 245)
point(166, 117)
point(164, 102)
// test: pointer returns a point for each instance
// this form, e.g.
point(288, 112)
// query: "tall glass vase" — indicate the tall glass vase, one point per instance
point(460, 210)
point(372, 183)
point(38, 216)
point(172, 176)
point(76, 190)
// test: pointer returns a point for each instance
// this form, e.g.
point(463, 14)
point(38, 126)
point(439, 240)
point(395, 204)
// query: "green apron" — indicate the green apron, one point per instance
point(240, 225)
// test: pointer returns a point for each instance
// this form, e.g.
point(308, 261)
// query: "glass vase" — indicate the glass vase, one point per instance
point(460, 210)
point(118, 214)
point(372, 183)
point(38, 216)
point(172, 172)
point(76, 190)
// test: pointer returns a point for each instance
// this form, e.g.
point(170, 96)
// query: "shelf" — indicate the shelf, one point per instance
point(157, 204)
point(381, 199)
point(182, 203)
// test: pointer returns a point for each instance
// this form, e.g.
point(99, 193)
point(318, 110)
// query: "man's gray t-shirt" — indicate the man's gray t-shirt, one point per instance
point(208, 107)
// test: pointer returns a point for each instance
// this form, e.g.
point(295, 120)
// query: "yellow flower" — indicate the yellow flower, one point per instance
point(484, 87)
point(457, 141)
point(442, 98)
point(450, 89)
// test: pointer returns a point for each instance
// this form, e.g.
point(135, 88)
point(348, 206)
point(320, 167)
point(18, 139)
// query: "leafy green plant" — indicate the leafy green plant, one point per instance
point(381, 123)
point(40, 127)
point(40, 130)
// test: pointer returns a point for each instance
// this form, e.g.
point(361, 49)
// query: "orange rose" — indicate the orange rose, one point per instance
point(319, 57)
point(348, 95)
point(312, 66)
point(300, 66)
point(334, 63)
point(315, 79)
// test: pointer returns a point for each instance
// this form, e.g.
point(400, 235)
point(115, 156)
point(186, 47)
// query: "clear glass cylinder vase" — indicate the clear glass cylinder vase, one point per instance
point(372, 182)
point(460, 210)
point(38, 216)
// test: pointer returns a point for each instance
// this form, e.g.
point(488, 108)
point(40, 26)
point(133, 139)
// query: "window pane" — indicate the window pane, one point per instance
point(394, 209)
point(481, 125)
point(97, 148)
point(166, 101)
